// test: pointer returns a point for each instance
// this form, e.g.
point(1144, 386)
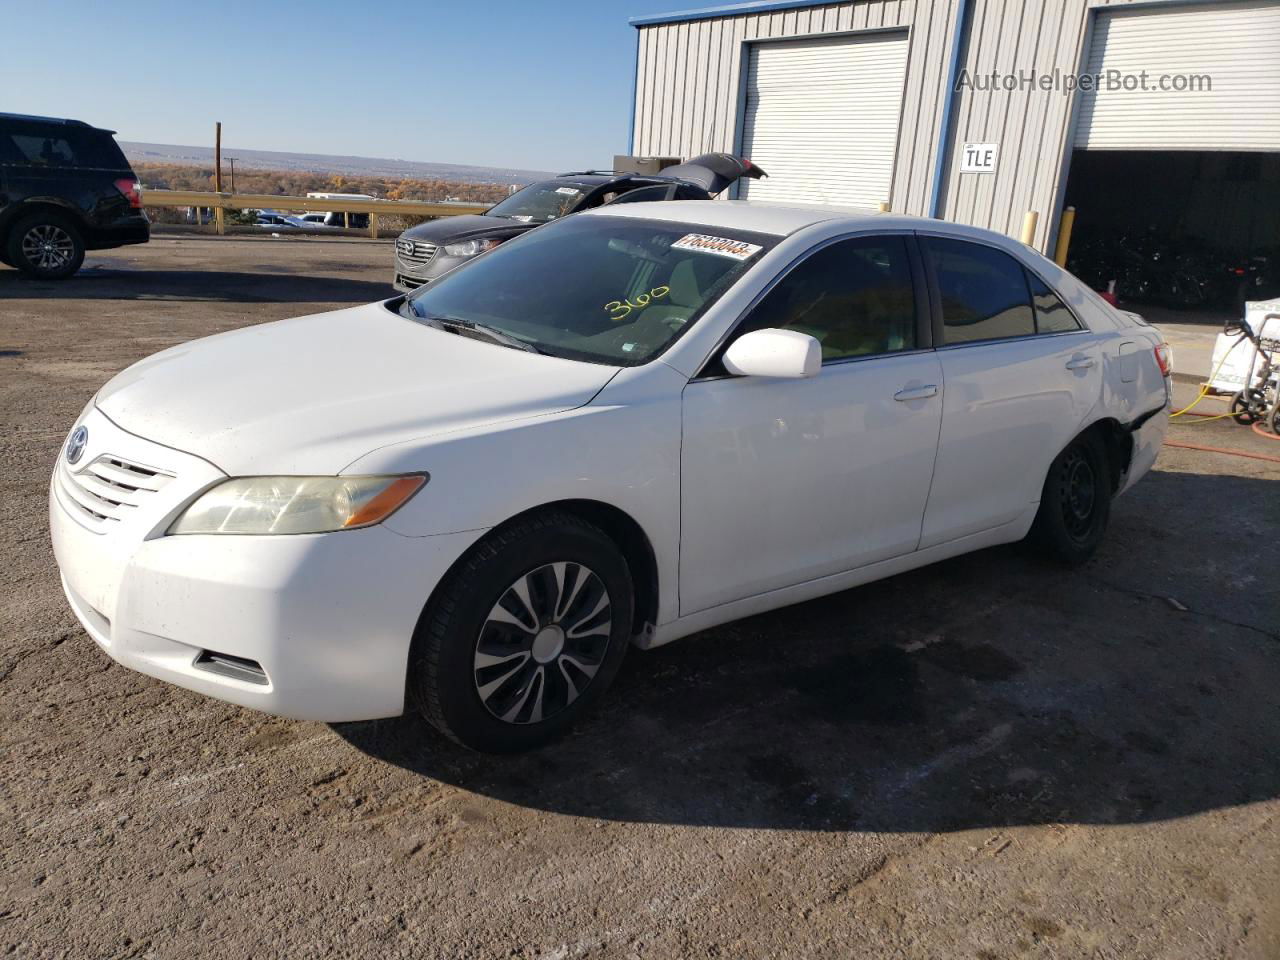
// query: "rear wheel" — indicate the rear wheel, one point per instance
point(1075, 504)
point(1243, 405)
point(524, 636)
point(46, 246)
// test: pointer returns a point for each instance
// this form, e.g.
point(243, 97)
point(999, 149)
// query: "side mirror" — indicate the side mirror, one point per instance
point(774, 353)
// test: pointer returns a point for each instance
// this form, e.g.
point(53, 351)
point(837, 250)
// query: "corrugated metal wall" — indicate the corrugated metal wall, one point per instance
point(1030, 125)
point(689, 76)
point(688, 89)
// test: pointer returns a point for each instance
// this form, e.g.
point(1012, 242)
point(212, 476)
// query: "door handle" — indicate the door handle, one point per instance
point(1080, 362)
point(916, 393)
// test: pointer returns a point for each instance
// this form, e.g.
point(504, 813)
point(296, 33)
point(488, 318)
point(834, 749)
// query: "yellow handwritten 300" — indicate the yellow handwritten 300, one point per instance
point(621, 309)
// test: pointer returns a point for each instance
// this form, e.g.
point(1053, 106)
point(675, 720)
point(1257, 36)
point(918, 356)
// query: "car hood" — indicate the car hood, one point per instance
point(312, 394)
point(448, 229)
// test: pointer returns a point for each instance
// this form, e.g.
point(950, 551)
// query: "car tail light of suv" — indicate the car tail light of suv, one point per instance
point(1164, 357)
point(132, 190)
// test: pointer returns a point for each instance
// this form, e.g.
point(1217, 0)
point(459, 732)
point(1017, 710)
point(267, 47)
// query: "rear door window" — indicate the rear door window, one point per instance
point(984, 292)
point(1052, 315)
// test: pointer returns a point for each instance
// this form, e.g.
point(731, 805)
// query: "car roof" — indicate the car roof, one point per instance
point(583, 179)
point(757, 217)
point(782, 219)
point(59, 121)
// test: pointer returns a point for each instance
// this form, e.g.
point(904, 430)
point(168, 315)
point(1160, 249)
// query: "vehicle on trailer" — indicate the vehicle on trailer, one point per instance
point(432, 249)
point(621, 428)
point(65, 187)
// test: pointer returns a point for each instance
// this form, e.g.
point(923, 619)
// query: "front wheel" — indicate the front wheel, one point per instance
point(524, 636)
point(1075, 504)
point(46, 246)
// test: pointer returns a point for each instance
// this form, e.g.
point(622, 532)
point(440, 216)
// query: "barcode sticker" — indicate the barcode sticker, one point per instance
point(720, 246)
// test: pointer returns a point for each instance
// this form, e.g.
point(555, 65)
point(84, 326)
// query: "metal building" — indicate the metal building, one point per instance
point(911, 102)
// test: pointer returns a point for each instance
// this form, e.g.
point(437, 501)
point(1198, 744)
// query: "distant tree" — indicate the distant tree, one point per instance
point(167, 176)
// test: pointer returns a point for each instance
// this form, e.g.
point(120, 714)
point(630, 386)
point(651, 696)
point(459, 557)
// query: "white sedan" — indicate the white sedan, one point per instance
point(621, 428)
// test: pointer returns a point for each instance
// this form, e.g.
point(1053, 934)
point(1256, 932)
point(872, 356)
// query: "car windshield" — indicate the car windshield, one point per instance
point(604, 289)
point(541, 202)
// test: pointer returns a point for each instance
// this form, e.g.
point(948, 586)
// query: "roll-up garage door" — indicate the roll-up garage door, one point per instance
point(822, 118)
point(1236, 45)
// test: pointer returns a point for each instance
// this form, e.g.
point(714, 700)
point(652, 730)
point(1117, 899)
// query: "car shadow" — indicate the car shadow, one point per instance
point(989, 690)
point(214, 286)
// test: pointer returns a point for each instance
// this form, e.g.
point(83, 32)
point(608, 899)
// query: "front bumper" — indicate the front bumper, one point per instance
point(327, 618)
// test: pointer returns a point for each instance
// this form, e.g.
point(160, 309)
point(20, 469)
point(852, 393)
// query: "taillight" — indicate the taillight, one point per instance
point(1164, 357)
point(132, 189)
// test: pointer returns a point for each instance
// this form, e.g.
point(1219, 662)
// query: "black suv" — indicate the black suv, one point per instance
point(65, 188)
point(430, 249)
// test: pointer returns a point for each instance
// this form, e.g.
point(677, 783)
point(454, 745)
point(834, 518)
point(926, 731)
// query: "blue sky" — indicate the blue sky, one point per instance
point(539, 85)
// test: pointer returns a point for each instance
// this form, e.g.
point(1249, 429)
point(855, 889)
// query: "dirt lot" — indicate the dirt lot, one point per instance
point(990, 758)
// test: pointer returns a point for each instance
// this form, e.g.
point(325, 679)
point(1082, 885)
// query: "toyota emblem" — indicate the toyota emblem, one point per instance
point(78, 440)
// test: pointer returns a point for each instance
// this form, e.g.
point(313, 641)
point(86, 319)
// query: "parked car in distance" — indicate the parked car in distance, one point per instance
point(354, 221)
point(621, 428)
point(277, 221)
point(65, 187)
point(432, 249)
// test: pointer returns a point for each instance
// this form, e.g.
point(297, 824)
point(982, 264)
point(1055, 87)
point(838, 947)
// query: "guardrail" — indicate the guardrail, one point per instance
point(221, 202)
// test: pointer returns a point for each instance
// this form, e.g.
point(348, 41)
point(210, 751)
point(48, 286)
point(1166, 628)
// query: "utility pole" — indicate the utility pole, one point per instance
point(232, 161)
point(219, 215)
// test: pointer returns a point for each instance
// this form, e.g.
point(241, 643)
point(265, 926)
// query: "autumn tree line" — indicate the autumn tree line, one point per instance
point(296, 183)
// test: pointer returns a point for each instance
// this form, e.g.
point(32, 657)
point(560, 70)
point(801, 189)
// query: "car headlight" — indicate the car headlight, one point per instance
point(284, 505)
point(470, 248)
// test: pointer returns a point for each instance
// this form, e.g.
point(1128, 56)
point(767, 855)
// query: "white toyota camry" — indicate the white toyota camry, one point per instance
point(620, 428)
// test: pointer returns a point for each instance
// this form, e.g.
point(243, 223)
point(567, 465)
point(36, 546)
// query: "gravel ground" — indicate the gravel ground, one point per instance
point(989, 758)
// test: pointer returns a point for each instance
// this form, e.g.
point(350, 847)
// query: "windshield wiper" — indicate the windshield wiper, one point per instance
point(464, 327)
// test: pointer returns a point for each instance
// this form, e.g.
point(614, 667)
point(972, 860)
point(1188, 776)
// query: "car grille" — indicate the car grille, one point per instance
point(416, 252)
point(105, 491)
point(407, 281)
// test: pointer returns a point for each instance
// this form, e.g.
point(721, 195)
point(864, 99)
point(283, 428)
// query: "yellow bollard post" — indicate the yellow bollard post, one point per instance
point(373, 225)
point(884, 206)
point(1029, 222)
point(1064, 236)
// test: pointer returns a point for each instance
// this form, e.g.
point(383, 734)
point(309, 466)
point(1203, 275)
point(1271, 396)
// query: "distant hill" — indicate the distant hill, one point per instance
point(323, 163)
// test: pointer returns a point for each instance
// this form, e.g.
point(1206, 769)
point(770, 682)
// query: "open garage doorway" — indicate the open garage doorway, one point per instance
point(1185, 229)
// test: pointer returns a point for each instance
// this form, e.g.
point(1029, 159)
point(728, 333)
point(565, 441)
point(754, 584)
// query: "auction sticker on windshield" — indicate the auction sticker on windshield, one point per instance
point(721, 246)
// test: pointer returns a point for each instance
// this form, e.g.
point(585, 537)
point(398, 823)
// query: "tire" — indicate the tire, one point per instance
point(1075, 504)
point(477, 624)
point(46, 246)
